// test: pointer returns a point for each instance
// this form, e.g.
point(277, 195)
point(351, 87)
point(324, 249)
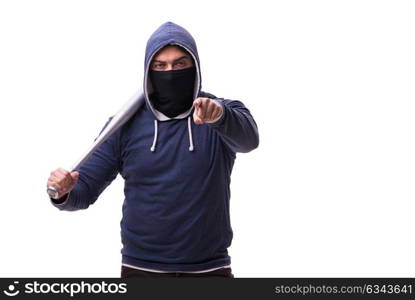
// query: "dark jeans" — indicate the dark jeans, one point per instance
point(127, 272)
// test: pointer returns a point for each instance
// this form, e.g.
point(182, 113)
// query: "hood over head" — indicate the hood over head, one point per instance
point(169, 34)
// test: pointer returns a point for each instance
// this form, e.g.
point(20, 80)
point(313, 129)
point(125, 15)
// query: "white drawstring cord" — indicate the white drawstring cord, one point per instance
point(189, 126)
point(153, 147)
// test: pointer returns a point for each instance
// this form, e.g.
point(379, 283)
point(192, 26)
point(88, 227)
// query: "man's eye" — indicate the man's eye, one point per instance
point(157, 66)
point(180, 65)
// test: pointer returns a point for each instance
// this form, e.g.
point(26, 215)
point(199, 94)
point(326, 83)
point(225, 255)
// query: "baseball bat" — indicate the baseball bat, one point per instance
point(119, 119)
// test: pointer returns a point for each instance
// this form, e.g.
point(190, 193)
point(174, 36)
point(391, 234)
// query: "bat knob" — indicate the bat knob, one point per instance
point(52, 192)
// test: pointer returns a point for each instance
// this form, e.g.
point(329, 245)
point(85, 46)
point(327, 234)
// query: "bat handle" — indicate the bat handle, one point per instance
point(52, 192)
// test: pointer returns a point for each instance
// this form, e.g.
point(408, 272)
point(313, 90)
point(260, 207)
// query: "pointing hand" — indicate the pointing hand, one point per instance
point(206, 111)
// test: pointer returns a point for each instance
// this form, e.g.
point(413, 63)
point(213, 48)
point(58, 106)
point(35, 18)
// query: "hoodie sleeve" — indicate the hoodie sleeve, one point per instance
point(95, 175)
point(236, 126)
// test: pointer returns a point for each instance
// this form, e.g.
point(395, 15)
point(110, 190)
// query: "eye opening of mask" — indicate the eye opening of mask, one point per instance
point(171, 57)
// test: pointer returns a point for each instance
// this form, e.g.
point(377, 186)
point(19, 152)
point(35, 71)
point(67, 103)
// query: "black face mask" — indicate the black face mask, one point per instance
point(173, 90)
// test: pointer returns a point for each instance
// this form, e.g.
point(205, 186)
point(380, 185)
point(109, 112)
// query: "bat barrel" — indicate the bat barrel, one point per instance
point(119, 119)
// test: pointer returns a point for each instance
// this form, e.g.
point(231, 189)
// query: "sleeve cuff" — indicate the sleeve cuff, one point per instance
point(61, 201)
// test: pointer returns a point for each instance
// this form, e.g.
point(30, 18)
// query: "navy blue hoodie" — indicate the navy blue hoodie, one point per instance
point(177, 176)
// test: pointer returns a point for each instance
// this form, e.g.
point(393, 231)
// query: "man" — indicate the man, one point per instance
point(177, 174)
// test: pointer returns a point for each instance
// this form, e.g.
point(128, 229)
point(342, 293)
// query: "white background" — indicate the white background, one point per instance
point(329, 192)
